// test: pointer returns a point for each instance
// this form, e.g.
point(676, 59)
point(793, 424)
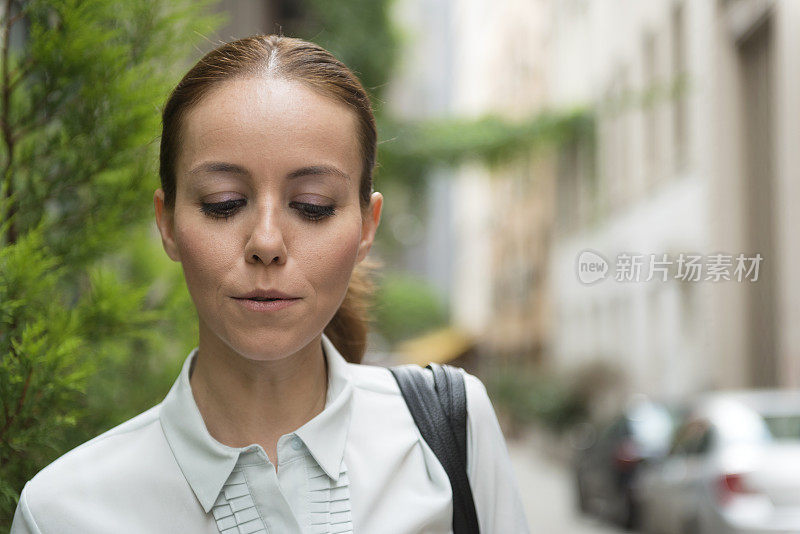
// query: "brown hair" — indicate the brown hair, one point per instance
point(284, 57)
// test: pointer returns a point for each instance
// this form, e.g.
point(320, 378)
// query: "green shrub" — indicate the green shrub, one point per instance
point(406, 306)
point(81, 322)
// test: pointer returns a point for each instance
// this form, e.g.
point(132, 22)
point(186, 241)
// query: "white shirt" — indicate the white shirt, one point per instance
point(358, 466)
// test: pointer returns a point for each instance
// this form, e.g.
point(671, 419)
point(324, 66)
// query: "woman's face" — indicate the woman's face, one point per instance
point(267, 200)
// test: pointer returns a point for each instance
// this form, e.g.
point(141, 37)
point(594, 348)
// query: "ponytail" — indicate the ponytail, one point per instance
point(348, 328)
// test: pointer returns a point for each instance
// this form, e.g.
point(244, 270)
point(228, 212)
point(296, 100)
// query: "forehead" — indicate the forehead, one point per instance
point(269, 124)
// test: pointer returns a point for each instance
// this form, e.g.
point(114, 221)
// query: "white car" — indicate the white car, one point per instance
point(734, 467)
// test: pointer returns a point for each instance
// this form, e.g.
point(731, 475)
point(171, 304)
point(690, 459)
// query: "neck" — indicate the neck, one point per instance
point(246, 402)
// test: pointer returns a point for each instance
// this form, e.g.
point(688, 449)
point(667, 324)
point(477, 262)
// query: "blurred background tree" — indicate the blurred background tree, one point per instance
point(358, 32)
point(84, 292)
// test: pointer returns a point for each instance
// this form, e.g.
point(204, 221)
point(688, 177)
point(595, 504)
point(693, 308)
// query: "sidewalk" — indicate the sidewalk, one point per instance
point(547, 492)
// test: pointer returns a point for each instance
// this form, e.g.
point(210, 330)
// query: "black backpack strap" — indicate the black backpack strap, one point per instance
point(440, 413)
point(449, 385)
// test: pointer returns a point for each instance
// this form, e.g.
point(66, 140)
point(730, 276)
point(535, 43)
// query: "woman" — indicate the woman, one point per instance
point(267, 153)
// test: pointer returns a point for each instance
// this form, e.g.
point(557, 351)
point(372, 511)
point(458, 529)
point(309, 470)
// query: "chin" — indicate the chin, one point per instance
point(272, 347)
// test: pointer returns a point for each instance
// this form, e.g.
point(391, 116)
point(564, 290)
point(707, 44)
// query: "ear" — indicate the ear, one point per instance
point(165, 219)
point(370, 225)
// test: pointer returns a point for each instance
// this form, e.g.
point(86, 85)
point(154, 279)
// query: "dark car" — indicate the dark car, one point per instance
point(607, 460)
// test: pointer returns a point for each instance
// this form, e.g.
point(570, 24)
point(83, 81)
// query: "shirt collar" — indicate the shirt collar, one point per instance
point(207, 463)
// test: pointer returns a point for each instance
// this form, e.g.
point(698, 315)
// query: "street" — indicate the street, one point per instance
point(547, 492)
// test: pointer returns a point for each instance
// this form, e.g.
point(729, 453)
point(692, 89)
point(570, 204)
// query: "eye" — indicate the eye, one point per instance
point(222, 210)
point(313, 212)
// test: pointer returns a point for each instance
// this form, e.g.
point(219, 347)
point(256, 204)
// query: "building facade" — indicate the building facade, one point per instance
point(696, 104)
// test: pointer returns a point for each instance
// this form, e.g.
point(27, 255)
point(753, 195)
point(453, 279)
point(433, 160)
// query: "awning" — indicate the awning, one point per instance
point(439, 346)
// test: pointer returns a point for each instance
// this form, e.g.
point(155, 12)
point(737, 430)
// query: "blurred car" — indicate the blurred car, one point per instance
point(734, 467)
point(605, 465)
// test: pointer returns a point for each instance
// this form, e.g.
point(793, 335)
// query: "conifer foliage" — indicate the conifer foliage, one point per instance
point(81, 85)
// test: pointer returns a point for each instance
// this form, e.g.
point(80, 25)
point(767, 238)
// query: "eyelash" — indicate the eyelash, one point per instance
point(313, 212)
point(221, 210)
point(224, 210)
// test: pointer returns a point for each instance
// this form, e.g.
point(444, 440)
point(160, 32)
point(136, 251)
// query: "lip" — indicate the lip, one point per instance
point(284, 300)
point(265, 305)
point(265, 294)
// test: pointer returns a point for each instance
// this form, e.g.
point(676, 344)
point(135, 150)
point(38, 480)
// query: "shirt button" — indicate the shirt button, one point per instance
point(296, 443)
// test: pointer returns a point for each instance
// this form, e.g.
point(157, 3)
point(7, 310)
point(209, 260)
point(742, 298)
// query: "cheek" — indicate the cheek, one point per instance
point(333, 261)
point(204, 255)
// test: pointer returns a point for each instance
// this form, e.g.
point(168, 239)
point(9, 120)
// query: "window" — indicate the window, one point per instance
point(695, 437)
point(649, 105)
point(678, 86)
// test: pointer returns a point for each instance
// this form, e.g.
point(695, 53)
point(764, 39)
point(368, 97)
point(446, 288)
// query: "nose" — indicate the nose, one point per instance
point(265, 243)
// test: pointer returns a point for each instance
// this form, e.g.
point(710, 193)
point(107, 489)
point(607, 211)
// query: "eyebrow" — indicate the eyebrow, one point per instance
point(316, 170)
point(221, 167)
point(231, 168)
